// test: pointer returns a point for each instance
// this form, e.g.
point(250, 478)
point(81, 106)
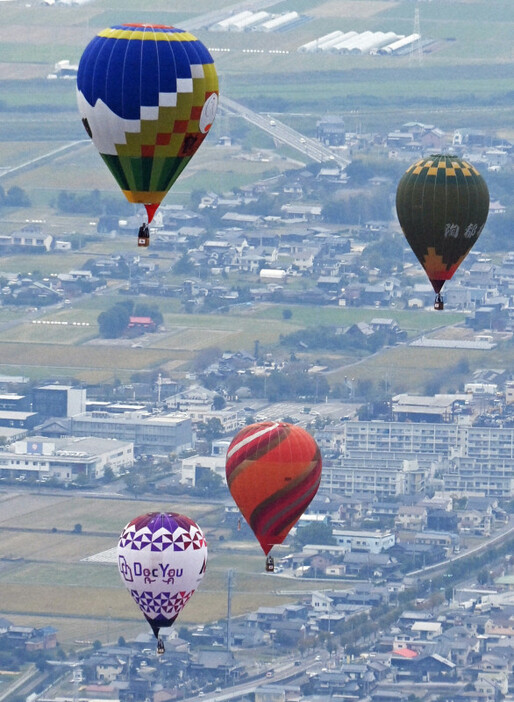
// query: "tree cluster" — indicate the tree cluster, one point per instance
point(332, 339)
point(385, 254)
point(355, 209)
point(91, 204)
point(14, 197)
point(114, 321)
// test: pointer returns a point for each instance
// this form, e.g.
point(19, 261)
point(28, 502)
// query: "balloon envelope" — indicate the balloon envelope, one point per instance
point(273, 472)
point(147, 95)
point(161, 558)
point(442, 204)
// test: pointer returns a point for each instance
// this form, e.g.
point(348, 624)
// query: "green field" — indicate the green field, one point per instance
point(66, 341)
point(45, 580)
point(413, 321)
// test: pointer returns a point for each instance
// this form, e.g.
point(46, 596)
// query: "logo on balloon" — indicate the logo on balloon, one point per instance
point(150, 575)
point(125, 569)
point(208, 113)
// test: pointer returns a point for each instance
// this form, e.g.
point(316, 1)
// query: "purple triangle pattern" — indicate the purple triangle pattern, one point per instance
point(161, 539)
point(161, 603)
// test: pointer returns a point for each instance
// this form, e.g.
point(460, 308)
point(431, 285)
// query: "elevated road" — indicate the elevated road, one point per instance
point(311, 148)
point(505, 534)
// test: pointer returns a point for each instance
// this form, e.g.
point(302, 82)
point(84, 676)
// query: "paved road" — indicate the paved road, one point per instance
point(281, 671)
point(39, 160)
point(311, 148)
point(506, 533)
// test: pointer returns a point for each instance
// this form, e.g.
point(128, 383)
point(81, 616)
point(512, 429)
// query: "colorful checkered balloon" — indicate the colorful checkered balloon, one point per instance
point(147, 95)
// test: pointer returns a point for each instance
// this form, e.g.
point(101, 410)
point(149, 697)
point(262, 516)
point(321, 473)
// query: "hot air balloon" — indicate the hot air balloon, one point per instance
point(442, 204)
point(147, 95)
point(273, 471)
point(161, 559)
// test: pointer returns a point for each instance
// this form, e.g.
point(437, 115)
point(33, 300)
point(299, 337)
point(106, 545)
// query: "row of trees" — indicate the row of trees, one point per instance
point(92, 204)
point(330, 338)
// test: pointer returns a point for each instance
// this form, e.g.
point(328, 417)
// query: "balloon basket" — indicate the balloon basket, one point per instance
point(439, 303)
point(270, 564)
point(143, 237)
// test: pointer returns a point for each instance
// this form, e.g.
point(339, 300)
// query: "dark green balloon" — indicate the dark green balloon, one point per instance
point(442, 204)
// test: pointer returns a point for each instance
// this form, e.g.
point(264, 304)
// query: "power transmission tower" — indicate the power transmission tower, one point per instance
point(417, 52)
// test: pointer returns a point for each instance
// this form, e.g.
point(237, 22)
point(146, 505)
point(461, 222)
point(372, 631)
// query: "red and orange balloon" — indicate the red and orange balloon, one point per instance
point(273, 472)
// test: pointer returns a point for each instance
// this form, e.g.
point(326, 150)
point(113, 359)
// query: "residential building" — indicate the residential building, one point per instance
point(376, 473)
point(150, 433)
point(411, 517)
point(367, 541)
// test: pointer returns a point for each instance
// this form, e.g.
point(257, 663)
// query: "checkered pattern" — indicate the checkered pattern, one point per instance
point(147, 96)
point(443, 167)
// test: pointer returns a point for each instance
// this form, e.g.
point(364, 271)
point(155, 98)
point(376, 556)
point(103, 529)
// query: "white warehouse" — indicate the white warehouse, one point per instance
point(66, 460)
point(366, 541)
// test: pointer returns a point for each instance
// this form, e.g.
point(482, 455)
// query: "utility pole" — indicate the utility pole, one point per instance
point(229, 606)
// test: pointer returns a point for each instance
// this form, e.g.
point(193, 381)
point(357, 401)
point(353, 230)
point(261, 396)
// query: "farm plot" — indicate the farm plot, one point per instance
point(410, 369)
point(52, 356)
point(44, 577)
point(98, 515)
point(55, 329)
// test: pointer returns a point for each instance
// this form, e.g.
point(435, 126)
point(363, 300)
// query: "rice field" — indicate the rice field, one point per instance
point(82, 357)
point(44, 577)
point(410, 369)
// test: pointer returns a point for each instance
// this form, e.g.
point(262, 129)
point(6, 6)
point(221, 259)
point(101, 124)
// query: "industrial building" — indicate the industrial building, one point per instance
point(368, 42)
point(58, 400)
point(258, 21)
point(66, 460)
